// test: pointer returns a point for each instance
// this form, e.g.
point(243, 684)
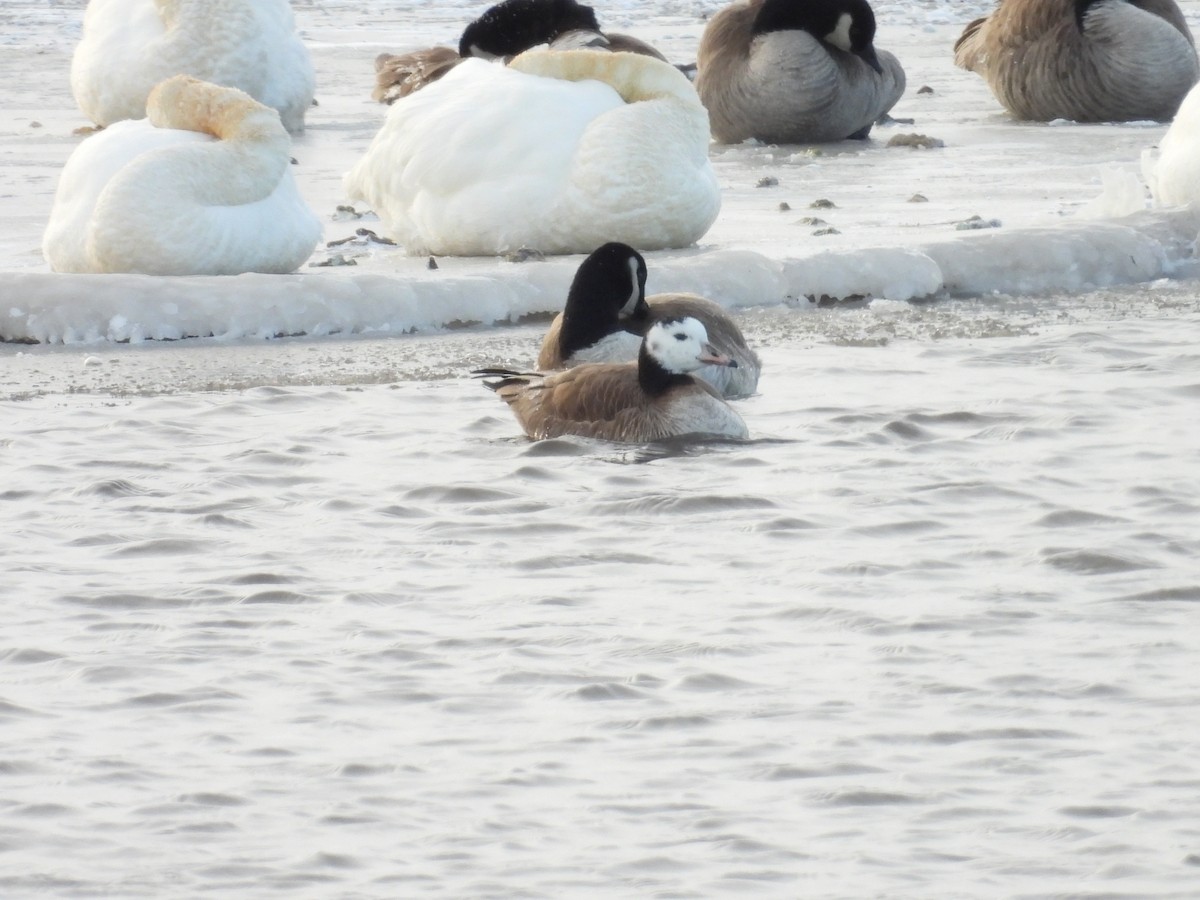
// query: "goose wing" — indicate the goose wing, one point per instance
point(399, 75)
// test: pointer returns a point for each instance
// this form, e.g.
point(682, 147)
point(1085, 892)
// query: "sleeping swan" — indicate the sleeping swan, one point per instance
point(795, 71)
point(558, 151)
point(202, 186)
point(649, 400)
point(129, 46)
point(1174, 175)
point(1084, 60)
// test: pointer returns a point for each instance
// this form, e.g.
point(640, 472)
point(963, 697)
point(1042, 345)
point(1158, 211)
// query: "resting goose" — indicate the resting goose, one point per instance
point(648, 400)
point(129, 46)
point(503, 31)
point(202, 186)
point(795, 71)
point(1084, 60)
point(557, 151)
point(607, 312)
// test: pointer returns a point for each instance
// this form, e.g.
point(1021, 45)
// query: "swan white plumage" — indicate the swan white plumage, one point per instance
point(1174, 174)
point(129, 46)
point(558, 151)
point(202, 186)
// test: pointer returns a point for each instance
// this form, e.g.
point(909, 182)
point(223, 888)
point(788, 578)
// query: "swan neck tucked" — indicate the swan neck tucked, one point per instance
point(634, 76)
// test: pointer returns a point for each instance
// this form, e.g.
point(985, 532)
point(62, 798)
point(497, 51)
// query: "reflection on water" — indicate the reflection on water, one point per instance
point(277, 624)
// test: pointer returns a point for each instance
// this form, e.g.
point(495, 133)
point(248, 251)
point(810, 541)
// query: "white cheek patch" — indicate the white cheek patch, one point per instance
point(633, 288)
point(840, 36)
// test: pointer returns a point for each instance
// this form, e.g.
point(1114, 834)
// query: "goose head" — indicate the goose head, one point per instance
point(608, 286)
point(611, 280)
point(848, 25)
point(510, 27)
point(671, 350)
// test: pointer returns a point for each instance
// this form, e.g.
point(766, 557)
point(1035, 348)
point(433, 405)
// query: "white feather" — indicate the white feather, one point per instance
point(168, 201)
point(559, 151)
point(129, 46)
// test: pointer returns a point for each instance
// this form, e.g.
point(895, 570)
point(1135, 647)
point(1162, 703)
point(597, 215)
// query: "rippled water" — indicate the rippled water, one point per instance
point(310, 619)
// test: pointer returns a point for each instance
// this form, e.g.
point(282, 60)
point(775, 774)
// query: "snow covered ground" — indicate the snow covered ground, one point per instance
point(997, 206)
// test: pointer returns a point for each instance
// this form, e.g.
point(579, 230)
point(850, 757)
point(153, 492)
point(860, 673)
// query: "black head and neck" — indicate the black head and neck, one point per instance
point(514, 26)
point(847, 25)
point(609, 287)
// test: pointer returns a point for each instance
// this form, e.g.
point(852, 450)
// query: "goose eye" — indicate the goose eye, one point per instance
point(680, 336)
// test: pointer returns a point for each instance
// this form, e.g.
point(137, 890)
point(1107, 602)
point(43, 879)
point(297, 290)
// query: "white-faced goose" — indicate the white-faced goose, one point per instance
point(649, 400)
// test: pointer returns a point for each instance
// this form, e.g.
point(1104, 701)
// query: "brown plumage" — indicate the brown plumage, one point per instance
point(786, 72)
point(607, 313)
point(1084, 60)
point(648, 400)
point(502, 32)
point(398, 76)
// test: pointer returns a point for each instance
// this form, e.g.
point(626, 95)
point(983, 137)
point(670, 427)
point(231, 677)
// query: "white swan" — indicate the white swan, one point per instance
point(558, 151)
point(1174, 174)
point(129, 46)
point(203, 186)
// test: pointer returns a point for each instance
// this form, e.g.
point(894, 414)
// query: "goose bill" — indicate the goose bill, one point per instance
point(710, 356)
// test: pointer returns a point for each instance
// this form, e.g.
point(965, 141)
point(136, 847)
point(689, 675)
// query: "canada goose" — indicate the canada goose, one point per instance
point(607, 312)
point(795, 71)
point(647, 400)
point(503, 31)
point(1084, 60)
point(201, 186)
point(556, 151)
point(129, 46)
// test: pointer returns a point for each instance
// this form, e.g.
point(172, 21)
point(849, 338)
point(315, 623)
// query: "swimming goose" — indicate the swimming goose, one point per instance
point(202, 186)
point(129, 46)
point(648, 400)
point(557, 151)
point(607, 313)
point(503, 31)
point(1084, 60)
point(795, 71)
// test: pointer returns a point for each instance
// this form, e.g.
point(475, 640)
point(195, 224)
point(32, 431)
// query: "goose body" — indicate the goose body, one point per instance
point(1084, 60)
point(607, 313)
point(202, 186)
point(558, 151)
point(651, 399)
point(129, 46)
point(788, 72)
